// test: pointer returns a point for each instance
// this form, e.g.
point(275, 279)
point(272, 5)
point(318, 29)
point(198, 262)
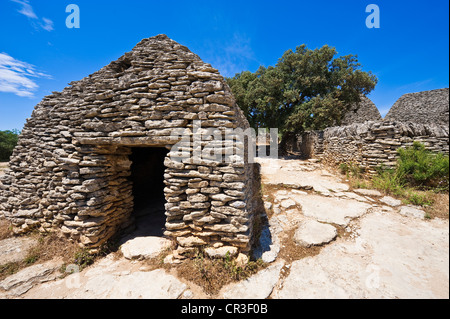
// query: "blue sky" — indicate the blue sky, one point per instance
point(39, 54)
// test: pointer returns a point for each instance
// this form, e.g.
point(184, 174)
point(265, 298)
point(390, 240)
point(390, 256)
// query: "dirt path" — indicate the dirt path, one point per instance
point(367, 249)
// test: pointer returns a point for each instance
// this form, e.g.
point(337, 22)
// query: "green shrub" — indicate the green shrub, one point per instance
point(351, 169)
point(417, 169)
point(84, 258)
point(8, 141)
point(420, 199)
point(389, 181)
point(421, 168)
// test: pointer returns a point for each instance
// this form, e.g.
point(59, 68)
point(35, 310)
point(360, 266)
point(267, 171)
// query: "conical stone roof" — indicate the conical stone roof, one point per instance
point(71, 168)
point(361, 112)
point(426, 107)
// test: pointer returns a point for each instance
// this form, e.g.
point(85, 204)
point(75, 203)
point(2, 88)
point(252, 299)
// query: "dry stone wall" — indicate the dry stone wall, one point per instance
point(71, 168)
point(367, 140)
point(372, 144)
point(306, 145)
point(310, 144)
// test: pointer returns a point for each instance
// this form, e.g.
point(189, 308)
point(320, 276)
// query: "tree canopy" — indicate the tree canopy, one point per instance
point(305, 90)
point(8, 141)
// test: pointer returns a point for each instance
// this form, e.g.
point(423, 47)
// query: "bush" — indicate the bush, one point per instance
point(8, 141)
point(418, 167)
point(388, 181)
point(351, 170)
point(418, 175)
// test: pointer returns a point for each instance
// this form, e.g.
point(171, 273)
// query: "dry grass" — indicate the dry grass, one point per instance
point(440, 206)
point(49, 246)
point(435, 204)
point(5, 229)
point(211, 274)
point(290, 251)
point(53, 245)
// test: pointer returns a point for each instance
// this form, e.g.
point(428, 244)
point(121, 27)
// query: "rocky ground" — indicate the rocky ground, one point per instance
point(321, 239)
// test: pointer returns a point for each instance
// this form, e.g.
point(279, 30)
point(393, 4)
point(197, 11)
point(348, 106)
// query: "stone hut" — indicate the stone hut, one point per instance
point(310, 144)
point(427, 107)
point(362, 112)
point(96, 156)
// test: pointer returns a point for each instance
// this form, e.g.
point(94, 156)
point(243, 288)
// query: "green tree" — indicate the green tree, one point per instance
point(305, 90)
point(8, 141)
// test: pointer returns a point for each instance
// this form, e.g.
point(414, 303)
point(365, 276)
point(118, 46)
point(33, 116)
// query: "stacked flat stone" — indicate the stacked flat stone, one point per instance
point(70, 169)
point(310, 144)
point(362, 112)
point(427, 107)
point(372, 144)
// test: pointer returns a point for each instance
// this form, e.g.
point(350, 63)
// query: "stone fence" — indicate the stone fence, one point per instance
point(372, 144)
point(305, 145)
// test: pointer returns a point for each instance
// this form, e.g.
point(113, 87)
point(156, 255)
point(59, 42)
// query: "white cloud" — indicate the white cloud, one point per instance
point(47, 25)
point(27, 9)
point(232, 56)
point(36, 22)
point(18, 77)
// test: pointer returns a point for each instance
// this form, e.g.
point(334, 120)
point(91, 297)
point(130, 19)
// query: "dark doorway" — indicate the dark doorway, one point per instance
point(147, 175)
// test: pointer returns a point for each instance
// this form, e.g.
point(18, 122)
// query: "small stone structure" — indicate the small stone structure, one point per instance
point(86, 150)
point(362, 112)
point(369, 141)
point(310, 144)
point(421, 117)
point(372, 144)
point(427, 107)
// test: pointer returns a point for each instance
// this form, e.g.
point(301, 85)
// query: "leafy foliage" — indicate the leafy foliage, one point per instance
point(420, 167)
point(306, 90)
point(8, 141)
point(417, 169)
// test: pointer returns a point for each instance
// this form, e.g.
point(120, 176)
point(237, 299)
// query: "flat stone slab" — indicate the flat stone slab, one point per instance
point(393, 258)
point(331, 210)
point(412, 211)
point(155, 284)
point(19, 283)
point(15, 249)
point(221, 252)
point(290, 174)
point(112, 279)
point(368, 192)
point(388, 200)
point(350, 195)
point(312, 233)
point(258, 286)
point(288, 203)
point(144, 247)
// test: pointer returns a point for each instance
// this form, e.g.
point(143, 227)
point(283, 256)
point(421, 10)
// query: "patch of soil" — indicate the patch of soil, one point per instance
point(290, 251)
point(5, 229)
point(440, 207)
point(49, 247)
point(54, 245)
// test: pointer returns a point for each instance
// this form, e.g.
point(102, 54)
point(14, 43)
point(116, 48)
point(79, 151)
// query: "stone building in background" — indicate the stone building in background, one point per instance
point(96, 157)
point(427, 107)
point(309, 144)
point(415, 117)
point(361, 112)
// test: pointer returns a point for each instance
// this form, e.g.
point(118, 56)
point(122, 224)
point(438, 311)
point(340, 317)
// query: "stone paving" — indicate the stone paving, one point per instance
point(371, 247)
